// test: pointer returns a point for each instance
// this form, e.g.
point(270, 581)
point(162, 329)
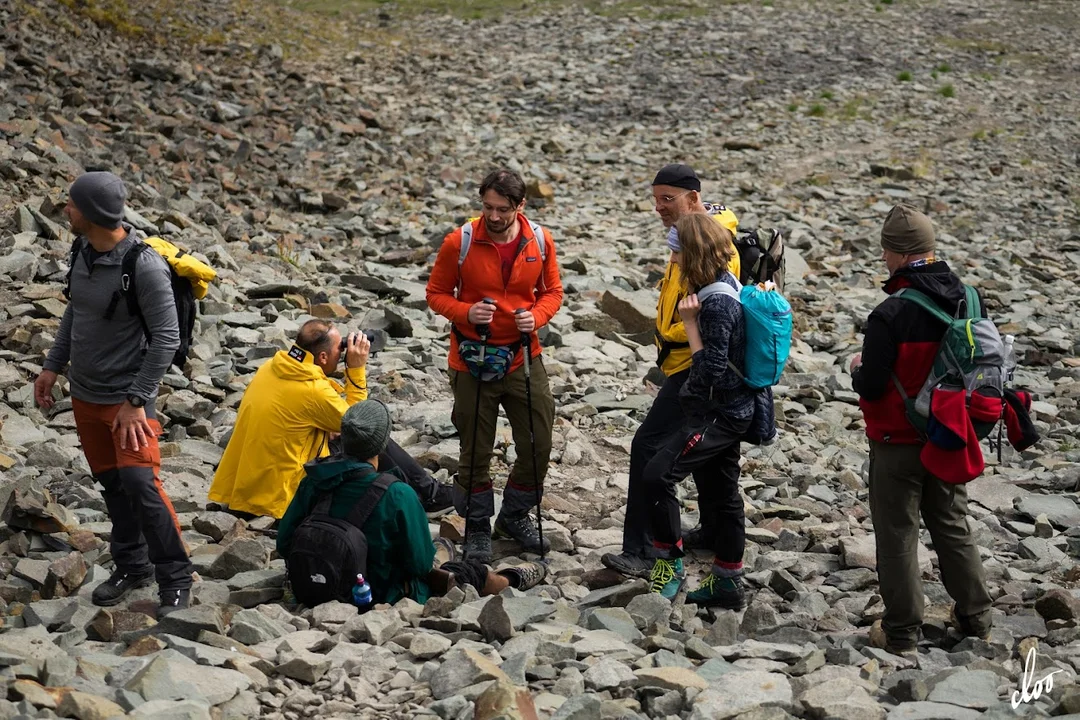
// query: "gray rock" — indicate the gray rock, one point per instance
point(251, 627)
point(724, 630)
point(931, 711)
point(842, 699)
point(649, 609)
point(332, 615)
point(189, 622)
point(754, 689)
point(243, 555)
point(581, 707)
point(172, 710)
point(1061, 511)
point(425, 646)
point(158, 681)
point(608, 674)
point(975, 689)
point(461, 668)
point(375, 627)
point(215, 524)
point(616, 620)
point(307, 667)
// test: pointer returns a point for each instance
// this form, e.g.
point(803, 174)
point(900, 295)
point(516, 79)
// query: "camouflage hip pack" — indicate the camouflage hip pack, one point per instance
point(486, 363)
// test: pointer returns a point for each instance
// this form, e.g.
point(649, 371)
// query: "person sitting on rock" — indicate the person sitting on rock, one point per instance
point(677, 193)
point(718, 408)
point(900, 343)
point(290, 414)
point(401, 556)
point(511, 263)
point(116, 369)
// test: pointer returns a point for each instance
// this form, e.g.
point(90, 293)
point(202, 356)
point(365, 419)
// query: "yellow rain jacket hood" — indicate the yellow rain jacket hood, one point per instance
point(285, 420)
point(671, 341)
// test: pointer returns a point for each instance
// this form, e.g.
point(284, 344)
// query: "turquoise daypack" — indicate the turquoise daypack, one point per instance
point(768, 320)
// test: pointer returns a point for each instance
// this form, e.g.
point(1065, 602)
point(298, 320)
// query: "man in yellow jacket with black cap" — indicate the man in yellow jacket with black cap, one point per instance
point(676, 192)
point(290, 414)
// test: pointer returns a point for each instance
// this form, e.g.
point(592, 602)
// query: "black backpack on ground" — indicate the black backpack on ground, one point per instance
point(328, 553)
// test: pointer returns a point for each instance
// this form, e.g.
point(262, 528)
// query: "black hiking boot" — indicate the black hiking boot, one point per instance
point(173, 600)
point(627, 564)
point(696, 540)
point(477, 542)
point(120, 583)
point(522, 529)
point(441, 501)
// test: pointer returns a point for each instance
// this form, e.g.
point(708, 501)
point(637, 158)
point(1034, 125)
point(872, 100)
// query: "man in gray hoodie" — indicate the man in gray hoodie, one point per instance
point(117, 364)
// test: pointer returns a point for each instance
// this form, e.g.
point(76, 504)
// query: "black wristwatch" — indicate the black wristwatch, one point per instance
point(136, 401)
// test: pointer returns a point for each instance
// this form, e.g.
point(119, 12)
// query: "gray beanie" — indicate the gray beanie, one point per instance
point(99, 196)
point(365, 429)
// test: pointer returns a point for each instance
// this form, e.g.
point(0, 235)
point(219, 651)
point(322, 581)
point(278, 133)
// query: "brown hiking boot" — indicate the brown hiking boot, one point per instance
point(524, 576)
point(880, 640)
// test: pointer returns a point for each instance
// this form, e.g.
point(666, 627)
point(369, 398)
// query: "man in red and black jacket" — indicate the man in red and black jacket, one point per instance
point(900, 343)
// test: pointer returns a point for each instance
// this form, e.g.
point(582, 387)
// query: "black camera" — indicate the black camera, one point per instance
point(377, 338)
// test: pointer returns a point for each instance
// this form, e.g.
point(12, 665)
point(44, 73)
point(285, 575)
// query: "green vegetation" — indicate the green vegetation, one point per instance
point(826, 95)
point(904, 76)
point(943, 67)
point(816, 110)
point(947, 91)
point(793, 107)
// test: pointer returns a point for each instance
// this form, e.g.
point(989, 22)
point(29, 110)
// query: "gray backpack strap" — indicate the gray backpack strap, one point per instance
point(538, 233)
point(466, 242)
point(722, 288)
point(719, 288)
point(362, 510)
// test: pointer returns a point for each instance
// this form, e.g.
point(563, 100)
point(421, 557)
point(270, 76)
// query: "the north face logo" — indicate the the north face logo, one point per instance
point(318, 578)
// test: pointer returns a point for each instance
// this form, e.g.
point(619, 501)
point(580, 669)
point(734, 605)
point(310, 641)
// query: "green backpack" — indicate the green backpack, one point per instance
point(971, 358)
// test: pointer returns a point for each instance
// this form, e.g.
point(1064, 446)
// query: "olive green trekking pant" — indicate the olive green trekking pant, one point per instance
point(509, 392)
point(901, 490)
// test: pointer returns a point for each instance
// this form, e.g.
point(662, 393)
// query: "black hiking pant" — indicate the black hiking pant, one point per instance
point(664, 418)
point(708, 447)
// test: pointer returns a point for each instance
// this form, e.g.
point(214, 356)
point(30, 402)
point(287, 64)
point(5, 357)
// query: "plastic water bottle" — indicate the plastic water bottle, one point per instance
point(1010, 357)
point(361, 593)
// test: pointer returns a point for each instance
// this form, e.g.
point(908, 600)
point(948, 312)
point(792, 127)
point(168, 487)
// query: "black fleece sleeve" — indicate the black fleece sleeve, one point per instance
point(873, 377)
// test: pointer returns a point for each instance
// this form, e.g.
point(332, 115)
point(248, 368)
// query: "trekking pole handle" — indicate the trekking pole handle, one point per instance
point(484, 330)
point(526, 340)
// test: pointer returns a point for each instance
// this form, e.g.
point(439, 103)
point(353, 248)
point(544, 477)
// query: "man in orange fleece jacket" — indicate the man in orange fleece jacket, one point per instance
point(511, 261)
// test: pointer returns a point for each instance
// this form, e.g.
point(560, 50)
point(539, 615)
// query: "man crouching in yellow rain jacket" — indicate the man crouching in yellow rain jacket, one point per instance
point(290, 413)
point(676, 192)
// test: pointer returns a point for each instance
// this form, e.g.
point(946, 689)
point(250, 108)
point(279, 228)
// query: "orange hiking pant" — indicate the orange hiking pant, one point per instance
point(146, 532)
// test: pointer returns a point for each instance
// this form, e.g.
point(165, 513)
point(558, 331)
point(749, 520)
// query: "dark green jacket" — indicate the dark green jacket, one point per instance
point(400, 552)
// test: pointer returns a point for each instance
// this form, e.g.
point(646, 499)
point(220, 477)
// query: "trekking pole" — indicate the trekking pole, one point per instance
point(483, 331)
point(526, 340)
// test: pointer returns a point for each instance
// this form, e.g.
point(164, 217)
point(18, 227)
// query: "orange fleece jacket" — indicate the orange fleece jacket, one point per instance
point(534, 285)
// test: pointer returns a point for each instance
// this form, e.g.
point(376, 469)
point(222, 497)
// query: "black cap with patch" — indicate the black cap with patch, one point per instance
point(680, 176)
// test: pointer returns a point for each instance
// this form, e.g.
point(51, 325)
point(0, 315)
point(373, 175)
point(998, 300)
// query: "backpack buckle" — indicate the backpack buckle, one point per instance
point(125, 282)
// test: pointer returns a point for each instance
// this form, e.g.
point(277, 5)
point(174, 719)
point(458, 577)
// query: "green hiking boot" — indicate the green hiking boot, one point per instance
point(726, 592)
point(667, 577)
